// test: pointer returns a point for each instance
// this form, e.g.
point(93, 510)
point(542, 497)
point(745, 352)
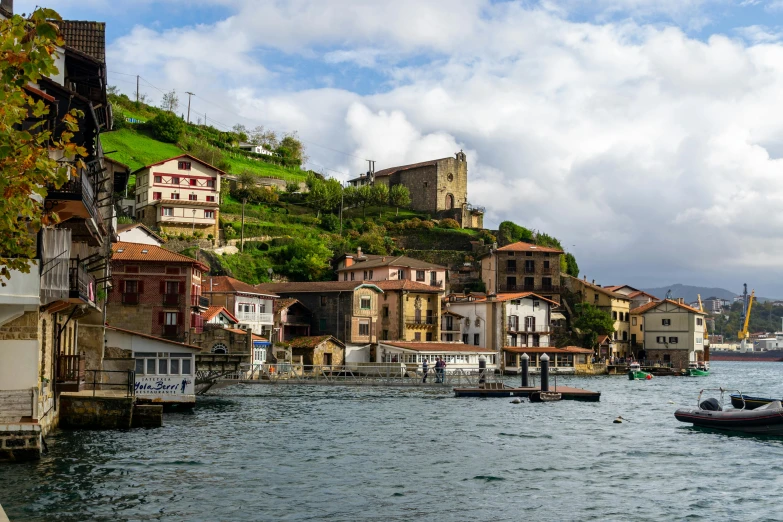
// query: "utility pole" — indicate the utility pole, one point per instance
point(189, 95)
point(342, 199)
point(137, 89)
point(242, 237)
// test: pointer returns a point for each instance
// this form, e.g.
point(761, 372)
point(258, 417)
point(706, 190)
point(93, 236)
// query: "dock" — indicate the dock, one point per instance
point(568, 393)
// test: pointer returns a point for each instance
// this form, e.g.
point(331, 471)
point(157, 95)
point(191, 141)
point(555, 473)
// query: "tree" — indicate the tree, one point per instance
point(572, 268)
point(27, 142)
point(291, 150)
point(509, 232)
point(167, 127)
point(170, 101)
point(292, 187)
point(364, 197)
point(590, 322)
point(351, 196)
point(379, 195)
point(399, 196)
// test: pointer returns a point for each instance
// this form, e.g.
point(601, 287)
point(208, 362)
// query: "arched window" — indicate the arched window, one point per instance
point(449, 201)
point(219, 348)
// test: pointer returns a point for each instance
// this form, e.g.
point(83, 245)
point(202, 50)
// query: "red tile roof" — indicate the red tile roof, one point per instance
point(212, 311)
point(283, 303)
point(437, 347)
point(413, 286)
point(312, 341)
point(649, 306)
point(510, 296)
point(639, 292)
point(604, 338)
point(314, 286)
point(598, 288)
point(368, 261)
point(122, 251)
point(161, 162)
point(392, 170)
point(521, 246)
point(86, 37)
point(229, 285)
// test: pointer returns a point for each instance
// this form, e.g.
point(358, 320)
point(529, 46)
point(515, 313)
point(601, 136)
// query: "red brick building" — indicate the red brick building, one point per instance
point(156, 292)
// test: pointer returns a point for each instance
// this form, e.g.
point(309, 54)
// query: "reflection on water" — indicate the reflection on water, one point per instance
point(339, 453)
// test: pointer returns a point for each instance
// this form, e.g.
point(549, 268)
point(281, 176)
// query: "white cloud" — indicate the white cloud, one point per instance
point(652, 152)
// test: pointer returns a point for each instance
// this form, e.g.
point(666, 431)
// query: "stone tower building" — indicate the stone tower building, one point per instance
point(438, 187)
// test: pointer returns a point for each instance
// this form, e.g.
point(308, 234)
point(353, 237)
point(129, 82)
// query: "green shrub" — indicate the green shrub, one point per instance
point(449, 223)
point(330, 222)
point(166, 127)
point(427, 225)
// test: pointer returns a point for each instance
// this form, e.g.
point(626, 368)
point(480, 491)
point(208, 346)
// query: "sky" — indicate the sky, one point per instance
point(644, 134)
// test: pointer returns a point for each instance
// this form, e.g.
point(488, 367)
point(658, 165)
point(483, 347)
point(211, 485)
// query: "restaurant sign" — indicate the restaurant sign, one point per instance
point(164, 385)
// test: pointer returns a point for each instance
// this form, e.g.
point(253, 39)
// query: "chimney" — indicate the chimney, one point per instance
point(348, 261)
point(358, 251)
point(593, 281)
point(681, 300)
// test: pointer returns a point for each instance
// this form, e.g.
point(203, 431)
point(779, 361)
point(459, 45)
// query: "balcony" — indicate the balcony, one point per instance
point(171, 299)
point(297, 320)
point(531, 344)
point(77, 196)
point(172, 332)
point(542, 329)
point(435, 283)
point(418, 321)
point(70, 372)
point(549, 289)
point(199, 301)
point(130, 298)
point(250, 317)
point(81, 284)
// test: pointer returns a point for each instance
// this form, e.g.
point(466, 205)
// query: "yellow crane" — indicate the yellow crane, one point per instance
point(747, 305)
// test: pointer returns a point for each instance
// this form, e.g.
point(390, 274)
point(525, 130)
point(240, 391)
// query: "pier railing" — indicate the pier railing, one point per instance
point(120, 380)
point(380, 375)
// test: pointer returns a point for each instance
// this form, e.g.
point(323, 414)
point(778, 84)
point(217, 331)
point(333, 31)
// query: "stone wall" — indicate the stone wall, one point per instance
point(435, 239)
point(678, 358)
point(178, 245)
point(21, 328)
point(20, 442)
point(95, 413)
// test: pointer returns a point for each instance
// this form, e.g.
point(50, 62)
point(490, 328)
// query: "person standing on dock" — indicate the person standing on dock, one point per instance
point(424, 368)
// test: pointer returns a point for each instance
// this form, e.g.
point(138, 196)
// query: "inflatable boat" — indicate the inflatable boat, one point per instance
point(764, 420)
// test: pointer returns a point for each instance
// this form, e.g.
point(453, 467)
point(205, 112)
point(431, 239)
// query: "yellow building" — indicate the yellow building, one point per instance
point(409, 311)
point(616, 305)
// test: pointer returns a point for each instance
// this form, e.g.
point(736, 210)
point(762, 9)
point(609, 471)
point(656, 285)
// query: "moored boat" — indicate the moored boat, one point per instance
point(751, 403)
point(635, 372)
point(545, 396)
point(698, 369)
point(764, 420)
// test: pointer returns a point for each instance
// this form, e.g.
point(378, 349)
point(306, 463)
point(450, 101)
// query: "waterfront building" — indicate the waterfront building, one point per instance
point(346, 310)
point(165, 371)
point(451, 324)
point(523, 267)
point(292, 319)
point(409, 311)
point(319, 350)
point(673, 332)
point(438, 187)
point(567, 360)
point(617, 305)
point(156, 292)
point(254, 308)
point(51, 322)
point(495, 322)
point(458, 356)
point(637, 297)
point(221, 335)
point(369, 267)
point(179, 195)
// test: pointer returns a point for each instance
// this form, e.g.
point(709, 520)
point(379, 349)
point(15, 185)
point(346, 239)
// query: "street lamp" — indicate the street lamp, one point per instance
point(269, 271)
point(193, 230)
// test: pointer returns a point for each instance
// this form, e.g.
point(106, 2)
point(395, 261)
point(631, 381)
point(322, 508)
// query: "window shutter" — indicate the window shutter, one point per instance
point(141, 287)
point(163, 287)
point(181, 288)
point(160, 317)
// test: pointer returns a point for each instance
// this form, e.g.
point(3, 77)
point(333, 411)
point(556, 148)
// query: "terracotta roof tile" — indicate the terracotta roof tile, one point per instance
point(510, 296)
point(161, 162)
point(406, 284)
point(597, 288)
point(85, 36)
point(649, 306)
point(312, 341)
point(314, 286)
point(521, 246)
point(212, 311)
point(379, 261)
point(283, 303)
point(437, 347)
point(226, 284)
point(122, 251)
point(391, 170)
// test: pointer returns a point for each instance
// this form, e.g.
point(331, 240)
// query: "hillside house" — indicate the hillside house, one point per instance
point(138, 233)
point(438, 187)
point(156, 292)
point(617, 305)
point(637, 297)
point(255, 149)
point(523, 267)
point(346, 310)
point(370, 267)
point(179, 195)
point(253, 308)
point(673, 333)
point(409, 311)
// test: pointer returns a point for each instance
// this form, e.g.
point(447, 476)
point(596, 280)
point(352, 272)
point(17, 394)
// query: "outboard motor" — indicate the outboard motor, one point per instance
point(710, 405)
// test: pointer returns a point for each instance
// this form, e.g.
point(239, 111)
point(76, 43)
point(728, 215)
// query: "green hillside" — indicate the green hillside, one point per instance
point(136, 149)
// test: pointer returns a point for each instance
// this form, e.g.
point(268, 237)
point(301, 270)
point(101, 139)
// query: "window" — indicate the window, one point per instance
point(345, 276)
point(633, 321)
point(546, 264)
point(211, 199)
point(698, 340)
point(370, 275)
point(614, 315)
point(352, 276)
point(211, 183)
point(511, 265)
point(673, 340)
point(364, 302)
point(138, 198)
point(175, 180)
point(323, 300)
point(386, 310)
point(157, 195)
point(364, 329)
point(158, 179)
point(172, 287)
point(385, 335)
point(595, 298)
point(172, 270)
point(365, 275)
point(167, 211)
point(170, 318)
point(417, 336)
point(660, 340)
point(192, 182)
point(400, 274)
point(615, 336)
point(464, 338)
point(322, 324)
point(419, 275)
point(625, 336)
point(666, 322)
point(699, 321)
point(530, 266)
point(529, 254)
point(175, 195)
point(193, 197)
point(209, 214)
point(428, 336)
point(476, 339)
point(183, 165)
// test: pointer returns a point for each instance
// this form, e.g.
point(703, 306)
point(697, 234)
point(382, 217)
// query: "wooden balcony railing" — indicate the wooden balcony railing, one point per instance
point(70, 368)
point(530, 288)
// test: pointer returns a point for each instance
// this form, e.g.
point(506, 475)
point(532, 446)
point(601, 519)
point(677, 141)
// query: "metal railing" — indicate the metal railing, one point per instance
point(81, 284)
point(426, 320)
point(126, 380)
point(80, 188)
point(543, 329)
point(529, 288)
point(171, 299)
point(437, 283)
point(255, 317)
point(199, 300)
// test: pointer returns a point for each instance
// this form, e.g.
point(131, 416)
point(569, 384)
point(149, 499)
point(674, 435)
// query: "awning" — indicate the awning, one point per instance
point(557, 316)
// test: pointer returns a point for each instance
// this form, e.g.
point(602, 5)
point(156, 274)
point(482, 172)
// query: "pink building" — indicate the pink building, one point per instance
point(370, 267)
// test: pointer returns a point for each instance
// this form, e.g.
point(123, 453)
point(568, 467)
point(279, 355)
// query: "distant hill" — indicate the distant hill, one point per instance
point(690, 293)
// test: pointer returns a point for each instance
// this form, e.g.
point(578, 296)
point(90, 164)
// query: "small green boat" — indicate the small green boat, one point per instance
point(635, 373)
point(698, 370)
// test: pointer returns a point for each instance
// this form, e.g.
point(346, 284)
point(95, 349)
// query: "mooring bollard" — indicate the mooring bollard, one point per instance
point(544, 372)
point(525, 370)
point(482, 370)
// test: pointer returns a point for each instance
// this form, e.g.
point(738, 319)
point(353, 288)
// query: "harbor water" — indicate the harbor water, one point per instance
point(263, 452)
